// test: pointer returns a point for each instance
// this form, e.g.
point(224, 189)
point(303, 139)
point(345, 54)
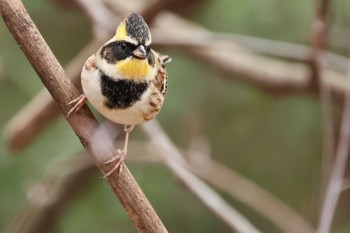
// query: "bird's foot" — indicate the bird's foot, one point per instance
point(118, 159)
point(78, 103)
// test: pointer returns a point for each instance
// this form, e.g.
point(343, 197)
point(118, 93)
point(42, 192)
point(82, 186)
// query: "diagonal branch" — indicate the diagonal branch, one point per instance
point(37, 114)
point(336, 180)
point(176, 163)
point(337, 168)
point(83, 123)
point(259, 199)
point(227, 180)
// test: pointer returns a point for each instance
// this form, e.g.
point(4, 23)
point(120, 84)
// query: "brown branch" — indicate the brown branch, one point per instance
point(83, 123)
point(36, 115)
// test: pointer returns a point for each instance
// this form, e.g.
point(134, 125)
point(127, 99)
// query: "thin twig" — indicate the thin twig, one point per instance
point(318, 44)
point(286, 50)
point(335, 184)
point(83, 123)
point(173, 159)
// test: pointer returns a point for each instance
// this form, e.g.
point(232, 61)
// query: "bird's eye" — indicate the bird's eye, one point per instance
point(123, 46)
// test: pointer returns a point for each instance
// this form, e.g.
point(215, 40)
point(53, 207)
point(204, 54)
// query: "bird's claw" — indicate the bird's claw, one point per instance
point(78, 103)
point(119, 159)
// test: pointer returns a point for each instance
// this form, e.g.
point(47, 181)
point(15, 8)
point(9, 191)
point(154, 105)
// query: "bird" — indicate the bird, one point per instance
point(125, 80)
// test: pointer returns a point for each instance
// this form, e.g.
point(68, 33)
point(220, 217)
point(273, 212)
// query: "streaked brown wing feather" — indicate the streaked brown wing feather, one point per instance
point(161, 80)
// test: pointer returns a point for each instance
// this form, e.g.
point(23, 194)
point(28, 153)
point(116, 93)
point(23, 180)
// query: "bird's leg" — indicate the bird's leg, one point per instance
point(78, 103)
point(121, 153)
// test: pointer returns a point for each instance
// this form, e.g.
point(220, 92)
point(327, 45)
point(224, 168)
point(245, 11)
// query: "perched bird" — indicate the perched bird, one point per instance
point(125, 80)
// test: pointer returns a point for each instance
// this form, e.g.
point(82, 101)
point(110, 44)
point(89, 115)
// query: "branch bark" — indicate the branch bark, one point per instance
point(83, 123)
point(37, 114)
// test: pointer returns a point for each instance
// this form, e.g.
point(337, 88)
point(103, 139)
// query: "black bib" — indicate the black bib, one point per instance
point(121, 94)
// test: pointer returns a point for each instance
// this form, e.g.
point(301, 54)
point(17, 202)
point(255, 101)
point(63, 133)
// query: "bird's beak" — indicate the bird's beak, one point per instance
point(140, 52)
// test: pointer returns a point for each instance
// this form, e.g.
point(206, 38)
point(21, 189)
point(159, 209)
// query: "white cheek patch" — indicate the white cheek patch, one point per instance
point(108, 69)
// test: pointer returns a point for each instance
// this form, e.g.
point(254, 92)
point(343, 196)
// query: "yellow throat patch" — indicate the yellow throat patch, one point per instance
point(135, 69)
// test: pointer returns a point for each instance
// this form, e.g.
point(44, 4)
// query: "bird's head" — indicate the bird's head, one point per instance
point(134, 31)
point(128, 53)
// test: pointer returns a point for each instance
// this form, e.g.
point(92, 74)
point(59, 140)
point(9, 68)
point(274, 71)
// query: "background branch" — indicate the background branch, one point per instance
point(101, 18)
point(287, 50)
point(176, 163)
point(226, 179)
point(259, 199)
point(335, 183)
point(63, 181)
point(318, 45)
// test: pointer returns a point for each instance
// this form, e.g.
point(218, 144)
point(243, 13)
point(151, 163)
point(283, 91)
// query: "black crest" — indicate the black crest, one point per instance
point(137, 28)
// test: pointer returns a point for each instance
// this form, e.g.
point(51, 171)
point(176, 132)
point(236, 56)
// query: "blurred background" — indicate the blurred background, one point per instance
point(241, 93)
